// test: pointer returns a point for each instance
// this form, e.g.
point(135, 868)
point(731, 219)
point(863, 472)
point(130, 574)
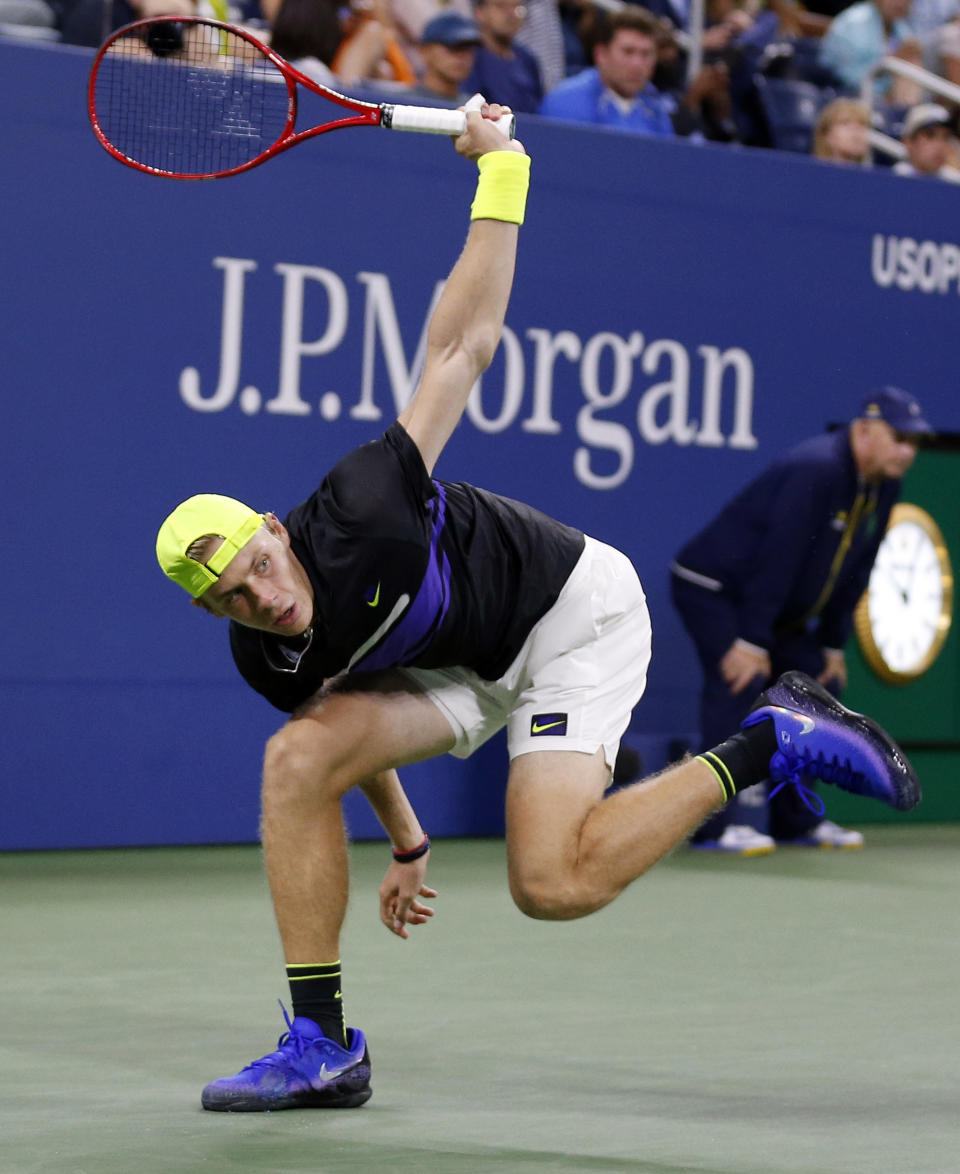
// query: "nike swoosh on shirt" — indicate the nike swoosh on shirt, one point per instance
point(396, 612)
point(376, 598)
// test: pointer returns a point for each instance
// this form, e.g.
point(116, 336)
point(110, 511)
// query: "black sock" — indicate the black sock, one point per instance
point(315, 991)
point(743, 760)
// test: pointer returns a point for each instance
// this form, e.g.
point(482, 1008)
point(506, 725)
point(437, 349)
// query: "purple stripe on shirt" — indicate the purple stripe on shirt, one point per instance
point(412, 634)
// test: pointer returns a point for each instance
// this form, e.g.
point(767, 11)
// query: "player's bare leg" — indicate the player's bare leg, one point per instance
point(354, 736)
point(309, 766)
point(570, 851)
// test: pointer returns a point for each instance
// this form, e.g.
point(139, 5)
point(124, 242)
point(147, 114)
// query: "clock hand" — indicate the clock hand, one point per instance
point(915, 565)
point(895, 580)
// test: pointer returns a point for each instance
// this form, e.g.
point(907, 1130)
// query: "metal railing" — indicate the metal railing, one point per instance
point(931, 82)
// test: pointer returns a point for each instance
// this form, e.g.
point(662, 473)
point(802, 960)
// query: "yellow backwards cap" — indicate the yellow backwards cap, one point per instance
point(207, 513)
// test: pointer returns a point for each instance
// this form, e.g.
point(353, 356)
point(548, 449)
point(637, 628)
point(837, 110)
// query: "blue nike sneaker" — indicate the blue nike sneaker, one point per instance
point(307, 1071)
point(818, 738)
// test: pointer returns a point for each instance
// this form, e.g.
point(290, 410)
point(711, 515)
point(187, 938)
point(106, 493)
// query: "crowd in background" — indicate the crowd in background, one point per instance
point(770, 73)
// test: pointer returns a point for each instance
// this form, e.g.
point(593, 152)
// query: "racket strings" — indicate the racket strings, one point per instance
point(189, 99)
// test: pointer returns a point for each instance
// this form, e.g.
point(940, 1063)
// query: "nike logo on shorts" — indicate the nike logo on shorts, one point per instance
point(548, 723)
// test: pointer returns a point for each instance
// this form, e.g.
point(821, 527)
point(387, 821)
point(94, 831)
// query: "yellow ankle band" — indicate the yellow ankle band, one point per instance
point(502, 187)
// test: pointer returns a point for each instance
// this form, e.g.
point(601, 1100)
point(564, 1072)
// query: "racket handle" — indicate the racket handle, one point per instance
point(437, 120)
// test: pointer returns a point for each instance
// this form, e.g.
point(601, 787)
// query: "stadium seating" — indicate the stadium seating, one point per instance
point(791, 108)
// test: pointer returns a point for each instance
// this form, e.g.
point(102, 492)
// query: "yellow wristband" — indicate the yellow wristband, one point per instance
point(502, 187)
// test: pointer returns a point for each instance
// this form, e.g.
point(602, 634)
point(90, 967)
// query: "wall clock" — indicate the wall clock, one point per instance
point(903, 618)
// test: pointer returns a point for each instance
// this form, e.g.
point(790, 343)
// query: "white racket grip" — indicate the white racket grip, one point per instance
point(440, 121)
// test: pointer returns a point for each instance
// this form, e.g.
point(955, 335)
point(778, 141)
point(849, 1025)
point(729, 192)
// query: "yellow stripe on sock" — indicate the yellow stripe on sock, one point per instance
point(315, 969)
point(723, 776)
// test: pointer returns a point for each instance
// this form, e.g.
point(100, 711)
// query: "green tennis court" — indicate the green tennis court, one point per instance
point(789, 1015)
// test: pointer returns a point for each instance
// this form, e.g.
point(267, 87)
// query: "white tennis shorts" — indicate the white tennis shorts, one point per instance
point(577, 677)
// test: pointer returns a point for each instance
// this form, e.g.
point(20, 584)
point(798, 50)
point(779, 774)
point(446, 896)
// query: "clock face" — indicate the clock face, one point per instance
point(904, 616)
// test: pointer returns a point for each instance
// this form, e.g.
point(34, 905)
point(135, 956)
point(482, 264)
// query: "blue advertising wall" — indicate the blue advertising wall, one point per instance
point(681, 315)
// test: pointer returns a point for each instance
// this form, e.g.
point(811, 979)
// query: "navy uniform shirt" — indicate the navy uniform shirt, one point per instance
point(512, 81)
point(408, 570)
point(795, 548)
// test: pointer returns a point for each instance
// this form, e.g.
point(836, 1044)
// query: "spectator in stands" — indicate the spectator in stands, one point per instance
point(28, 14)
point(927, 137)
point(503, 71)
point(90, 22)
point(618, 90)
point(308, 34)
point(411, 17)
point(704, 108)
point(723, 99)
point(369, 50)
point(724, 20)
point(842, 132)
point(810, 19)
point(827, 9)
point(936, 25)
point(756, 606)
point(573, 13)
point(447, 51)
point(860, 36)
point(542, 34)
point(729, 24)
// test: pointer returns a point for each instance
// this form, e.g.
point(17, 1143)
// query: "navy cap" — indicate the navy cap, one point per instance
point(450, 29)
point(897, 407)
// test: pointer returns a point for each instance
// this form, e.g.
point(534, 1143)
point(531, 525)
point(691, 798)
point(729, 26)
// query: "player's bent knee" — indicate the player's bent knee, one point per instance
point(550, 900)
point(297, 762)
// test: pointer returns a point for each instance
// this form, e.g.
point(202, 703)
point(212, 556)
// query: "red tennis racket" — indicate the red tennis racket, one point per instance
point(192, 98)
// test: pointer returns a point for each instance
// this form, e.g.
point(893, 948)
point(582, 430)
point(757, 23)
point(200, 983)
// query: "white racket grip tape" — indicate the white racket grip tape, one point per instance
point(440, 121)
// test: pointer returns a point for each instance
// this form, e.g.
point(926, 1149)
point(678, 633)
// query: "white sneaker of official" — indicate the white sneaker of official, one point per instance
point(740, 840)
point(828, 834)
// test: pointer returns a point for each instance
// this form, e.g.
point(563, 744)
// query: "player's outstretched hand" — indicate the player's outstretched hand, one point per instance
point(482, 135)
point(401, 887)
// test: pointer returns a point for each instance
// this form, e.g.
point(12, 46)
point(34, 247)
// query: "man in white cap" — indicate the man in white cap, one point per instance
point(927, 136)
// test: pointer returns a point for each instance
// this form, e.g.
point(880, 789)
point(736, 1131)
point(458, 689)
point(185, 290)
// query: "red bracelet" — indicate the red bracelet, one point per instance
point(414, 854)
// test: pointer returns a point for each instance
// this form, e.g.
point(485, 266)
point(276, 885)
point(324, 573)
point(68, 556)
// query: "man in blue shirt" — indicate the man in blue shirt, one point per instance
point(757, 606)
point(448, 47)
point(618, 91)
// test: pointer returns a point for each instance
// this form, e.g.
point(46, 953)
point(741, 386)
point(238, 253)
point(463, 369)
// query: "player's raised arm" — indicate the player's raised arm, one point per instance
point(467, 322)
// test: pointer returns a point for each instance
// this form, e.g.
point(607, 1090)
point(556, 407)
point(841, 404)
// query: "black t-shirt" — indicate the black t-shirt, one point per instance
point(407, 570)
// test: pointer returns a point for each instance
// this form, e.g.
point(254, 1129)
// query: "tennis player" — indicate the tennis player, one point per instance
point(396, 617)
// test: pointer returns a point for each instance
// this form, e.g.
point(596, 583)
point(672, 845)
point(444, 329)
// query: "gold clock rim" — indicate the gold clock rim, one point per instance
point(907, 512)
